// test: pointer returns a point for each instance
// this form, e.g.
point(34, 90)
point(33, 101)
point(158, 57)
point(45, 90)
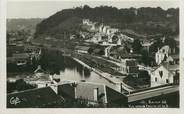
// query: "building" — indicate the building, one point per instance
point(112, 31)
point(117, 51)
point(129, 67)
point(40, 79)
point(39, 71)
point(19, 59)
point(105, 28)
point(107, 51)
point(165, 73)
point(119, 41)
point(93, 27)
point(110, 38)
point(39, 83)
point(104, 43)
point(33, 51)
point(162, 54)
point(101, 28)
point(126, 38)
point(130, 56)
point(146, 45)
point(72, 37)
point(173, 59)
point(55, 95)
point(97, 38)
point(89, 23)
point(84, 34)
point(86, 21)
point(93, 93)
point(23, 55)
point(82, 49)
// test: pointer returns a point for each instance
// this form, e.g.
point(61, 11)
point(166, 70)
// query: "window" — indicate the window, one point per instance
point(165, 57)
point(155, 79)
point(171, 62)
point(163, 50)
point(161, 73)
point(167, 80)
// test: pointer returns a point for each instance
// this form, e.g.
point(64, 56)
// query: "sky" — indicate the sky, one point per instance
point(44, 9)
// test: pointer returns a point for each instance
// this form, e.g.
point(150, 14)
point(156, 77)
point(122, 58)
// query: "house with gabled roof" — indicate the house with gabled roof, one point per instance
point(162, 54)
point(165, 73)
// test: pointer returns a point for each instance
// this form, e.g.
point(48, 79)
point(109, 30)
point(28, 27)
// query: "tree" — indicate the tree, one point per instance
point(156, 45)
point(101, 52)
point(145, 57)
point(22, 85)
point(136, 46)
point(118, 18)
point(90, 51)
point(171, 42)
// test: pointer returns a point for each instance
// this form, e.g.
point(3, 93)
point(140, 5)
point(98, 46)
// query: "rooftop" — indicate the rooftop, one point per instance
point(166, 48)
point(20, 55)
point(176, 56)
point(39, 97)
point(130, 55)
point(82, 48)
point(171, 67)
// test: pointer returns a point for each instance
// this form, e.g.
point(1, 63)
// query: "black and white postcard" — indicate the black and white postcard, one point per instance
point(87, 54)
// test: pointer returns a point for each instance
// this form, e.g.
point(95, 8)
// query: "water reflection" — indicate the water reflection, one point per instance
point(69, 69)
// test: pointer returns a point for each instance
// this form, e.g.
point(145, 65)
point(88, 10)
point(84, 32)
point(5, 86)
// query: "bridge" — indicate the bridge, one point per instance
point(152, 92)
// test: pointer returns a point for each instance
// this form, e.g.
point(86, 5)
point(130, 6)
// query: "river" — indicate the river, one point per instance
point(65, 67)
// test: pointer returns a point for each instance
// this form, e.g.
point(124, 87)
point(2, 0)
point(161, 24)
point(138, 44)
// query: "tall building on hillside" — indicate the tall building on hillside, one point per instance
point(162, 54)
point(105, 28)
point(119, 41)
point(165, 73)
point(85, 21)
point(101, 28)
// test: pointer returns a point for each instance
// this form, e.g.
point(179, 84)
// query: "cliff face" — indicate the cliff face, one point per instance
point(141, 20)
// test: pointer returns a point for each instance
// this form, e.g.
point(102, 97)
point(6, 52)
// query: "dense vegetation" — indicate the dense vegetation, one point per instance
point(19, 85)
point(21, 29)
point(142, 20)
point(19, 24)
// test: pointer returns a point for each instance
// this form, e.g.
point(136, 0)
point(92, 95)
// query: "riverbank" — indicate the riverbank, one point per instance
point(107, 76)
